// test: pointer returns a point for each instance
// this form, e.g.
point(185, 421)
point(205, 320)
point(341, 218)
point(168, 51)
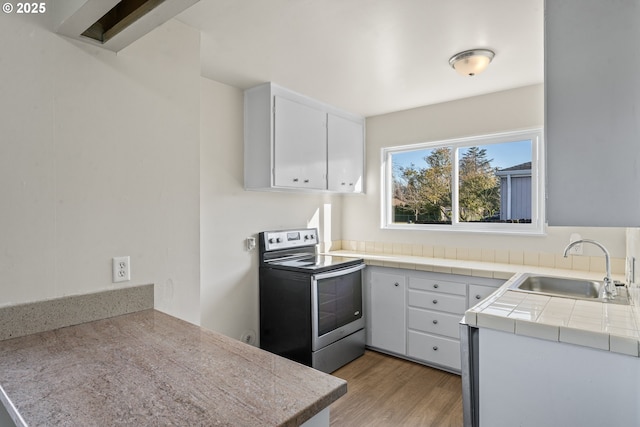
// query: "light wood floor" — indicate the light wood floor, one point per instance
point(386, 391)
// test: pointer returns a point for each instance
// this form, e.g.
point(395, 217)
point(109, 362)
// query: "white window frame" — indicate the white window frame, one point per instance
point(536, 227)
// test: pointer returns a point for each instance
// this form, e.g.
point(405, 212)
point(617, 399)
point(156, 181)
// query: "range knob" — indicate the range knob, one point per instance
point(272, 240)
point(278, 240)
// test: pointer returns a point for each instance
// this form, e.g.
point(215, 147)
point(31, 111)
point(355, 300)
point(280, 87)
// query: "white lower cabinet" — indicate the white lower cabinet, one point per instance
point(387, 327)
point(437, 301)
point(529, 382)
point(416, 314)
point(433, 322)
point(433, 349)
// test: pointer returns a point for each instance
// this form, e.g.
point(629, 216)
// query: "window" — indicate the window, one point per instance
point(490, 183)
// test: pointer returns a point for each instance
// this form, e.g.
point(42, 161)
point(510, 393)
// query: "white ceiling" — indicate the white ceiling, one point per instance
point(369, 56)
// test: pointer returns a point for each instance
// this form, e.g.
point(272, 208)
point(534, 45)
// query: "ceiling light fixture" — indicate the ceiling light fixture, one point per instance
point(471, 62)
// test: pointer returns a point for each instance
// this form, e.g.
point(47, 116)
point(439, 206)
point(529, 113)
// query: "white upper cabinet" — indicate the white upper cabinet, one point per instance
point(300, 154)
point(293, 142)
point(592, 112)
point(345, 143)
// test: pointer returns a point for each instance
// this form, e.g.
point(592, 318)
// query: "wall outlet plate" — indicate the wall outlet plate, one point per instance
point(251, 243)
point(577, 249)
point(121, 269)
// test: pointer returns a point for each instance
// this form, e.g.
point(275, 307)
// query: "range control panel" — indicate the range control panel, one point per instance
point(287, 239)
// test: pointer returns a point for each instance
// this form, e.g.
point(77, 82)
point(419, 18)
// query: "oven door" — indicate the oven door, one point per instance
point(336, 305)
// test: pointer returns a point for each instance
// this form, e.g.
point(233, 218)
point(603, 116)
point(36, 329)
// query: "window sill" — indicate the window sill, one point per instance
point(525, 230)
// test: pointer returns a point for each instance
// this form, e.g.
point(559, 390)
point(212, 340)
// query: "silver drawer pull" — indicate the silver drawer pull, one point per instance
point(435, 301)
point(396, 284)
point(436, 286)
point(435, 348)
point(478, 297)
point(306, 181)
point(295, 179)
point(435, 322)
point(356, 313)
point(344, 183)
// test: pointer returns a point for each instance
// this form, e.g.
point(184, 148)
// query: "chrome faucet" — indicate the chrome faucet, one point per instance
point(609, 287)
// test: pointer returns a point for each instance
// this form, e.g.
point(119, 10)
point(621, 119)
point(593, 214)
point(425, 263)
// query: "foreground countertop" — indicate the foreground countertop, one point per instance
point(598, 325)
point(148, 368)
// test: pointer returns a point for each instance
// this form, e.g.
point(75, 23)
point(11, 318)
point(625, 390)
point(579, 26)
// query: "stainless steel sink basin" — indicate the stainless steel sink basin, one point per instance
point(565, 287)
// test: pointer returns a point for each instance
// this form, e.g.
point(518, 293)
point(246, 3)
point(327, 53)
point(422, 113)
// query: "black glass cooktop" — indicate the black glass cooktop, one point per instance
point(314, 263)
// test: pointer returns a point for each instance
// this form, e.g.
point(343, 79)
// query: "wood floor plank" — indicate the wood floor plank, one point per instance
point(387, 391)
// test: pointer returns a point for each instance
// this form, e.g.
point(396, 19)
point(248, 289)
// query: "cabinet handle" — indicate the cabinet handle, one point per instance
point(435, 348)
point(435, 301)
point(351, 184)
point(396, 284)
point(306, 181)
point(435, 322)
point(436, 286)
point(295, 179)
point(478, 297)
point(343, 183)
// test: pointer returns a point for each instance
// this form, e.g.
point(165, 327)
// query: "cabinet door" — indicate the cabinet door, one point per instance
point(388, 324)
point(345, 147)
point(300, 145)
point(592, 112)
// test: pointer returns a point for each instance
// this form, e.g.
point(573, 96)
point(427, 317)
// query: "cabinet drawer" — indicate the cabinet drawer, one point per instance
point(455, 288)
point(478, 293)
point(438, 350)
point(436, 301)
point(434, 322)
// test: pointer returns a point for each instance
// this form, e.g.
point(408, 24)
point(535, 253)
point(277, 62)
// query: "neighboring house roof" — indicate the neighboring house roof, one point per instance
point(521, 166)
point(523, 169)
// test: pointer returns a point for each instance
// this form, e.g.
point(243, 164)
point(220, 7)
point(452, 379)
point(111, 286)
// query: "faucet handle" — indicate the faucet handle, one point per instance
point(609, 289)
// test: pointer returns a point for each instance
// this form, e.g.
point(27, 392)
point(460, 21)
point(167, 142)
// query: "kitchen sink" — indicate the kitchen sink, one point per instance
point(569, 288)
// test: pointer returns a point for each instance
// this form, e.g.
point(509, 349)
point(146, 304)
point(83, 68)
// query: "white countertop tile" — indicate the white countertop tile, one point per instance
point(543, 331)
point(584, 337)
point(625, 345)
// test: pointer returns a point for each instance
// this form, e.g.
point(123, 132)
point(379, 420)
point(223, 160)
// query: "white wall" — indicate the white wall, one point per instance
point(99, 158)
point(229, 214)
point(521, 108)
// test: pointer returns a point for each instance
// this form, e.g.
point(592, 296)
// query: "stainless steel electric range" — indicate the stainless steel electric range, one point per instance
point(310, 304)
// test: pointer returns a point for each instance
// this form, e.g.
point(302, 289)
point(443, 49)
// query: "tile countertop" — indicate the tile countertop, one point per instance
point(148, 368)
point(603, 326)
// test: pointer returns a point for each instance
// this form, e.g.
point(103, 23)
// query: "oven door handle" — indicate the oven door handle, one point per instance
point(340, 272)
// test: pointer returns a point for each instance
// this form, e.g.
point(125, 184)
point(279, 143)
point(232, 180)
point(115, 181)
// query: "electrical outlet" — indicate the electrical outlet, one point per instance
point(121, 269)
point(251, 243)
point(577, 249)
